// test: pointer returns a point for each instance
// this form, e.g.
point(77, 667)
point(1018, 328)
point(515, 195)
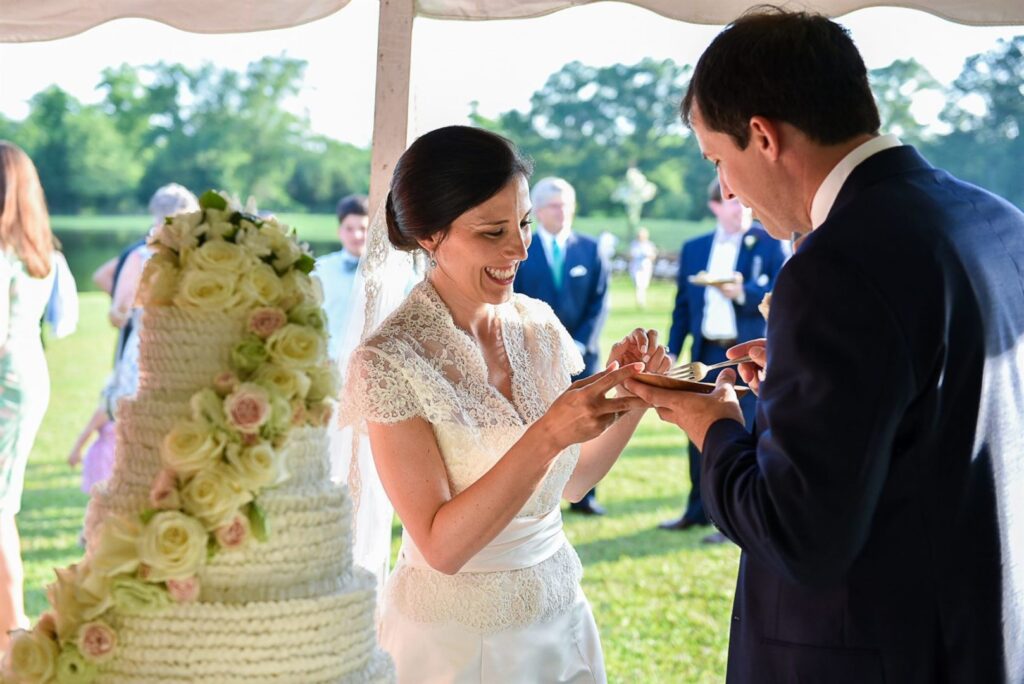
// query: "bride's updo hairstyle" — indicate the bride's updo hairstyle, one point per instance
point(444, 174)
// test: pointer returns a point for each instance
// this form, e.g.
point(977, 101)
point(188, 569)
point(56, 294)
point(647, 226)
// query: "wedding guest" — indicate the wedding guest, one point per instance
point(566, 270)
point(337, 270)
point(26, 281)
point(718, 316)
point(642, 254)
point(878, 501)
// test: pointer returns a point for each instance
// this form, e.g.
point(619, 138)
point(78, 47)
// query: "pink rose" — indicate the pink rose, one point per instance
point(96, 641)
point(265, 320)
point(247, 408)
point(184, 591)
point(163, 495)
point(225, 383)
point(234, 535)
point(298, 412)
point(250, 440)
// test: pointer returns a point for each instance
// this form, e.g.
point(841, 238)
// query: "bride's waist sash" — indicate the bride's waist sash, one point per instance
point(523, 543)
point(528, 573)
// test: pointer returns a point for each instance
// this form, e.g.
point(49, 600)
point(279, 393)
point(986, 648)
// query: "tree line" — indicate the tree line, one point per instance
point(212, 127)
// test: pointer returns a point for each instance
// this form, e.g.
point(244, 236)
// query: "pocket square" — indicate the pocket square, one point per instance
point(578, 271)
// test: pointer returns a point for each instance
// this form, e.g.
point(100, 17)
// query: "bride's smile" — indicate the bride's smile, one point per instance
point(478, 258)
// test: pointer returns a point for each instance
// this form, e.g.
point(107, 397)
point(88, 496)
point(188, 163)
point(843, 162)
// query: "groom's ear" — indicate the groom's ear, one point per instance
point(765, 136)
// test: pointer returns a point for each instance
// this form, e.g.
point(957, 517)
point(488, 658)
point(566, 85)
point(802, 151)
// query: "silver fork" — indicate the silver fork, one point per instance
point(697, 371)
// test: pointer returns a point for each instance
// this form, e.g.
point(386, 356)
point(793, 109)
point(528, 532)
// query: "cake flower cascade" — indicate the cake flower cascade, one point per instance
point(216, 461)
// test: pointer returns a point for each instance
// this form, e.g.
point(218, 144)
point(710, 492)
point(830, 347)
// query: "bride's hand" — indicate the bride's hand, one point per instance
point(640, 346)
point(583, 411)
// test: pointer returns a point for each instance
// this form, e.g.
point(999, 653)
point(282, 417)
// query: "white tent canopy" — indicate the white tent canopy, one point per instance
point(37, 20)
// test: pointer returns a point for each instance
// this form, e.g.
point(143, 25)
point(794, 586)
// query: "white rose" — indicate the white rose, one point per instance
point(173, 546)
point(160, 279)
point(190, 447)
point(33, 656)
point(180, 231)
point(257, 466)
point(299, 288)
point(208, 290)
point(287, 382)
point(220, 229)
point(218, 255)
point(254, 240)
point(214, 496)
point(262, 285)
point(324, 382)
point(286, 252)
point(296, 346)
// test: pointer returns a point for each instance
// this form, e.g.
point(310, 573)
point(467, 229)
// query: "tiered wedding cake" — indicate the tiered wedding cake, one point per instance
point(219, 551)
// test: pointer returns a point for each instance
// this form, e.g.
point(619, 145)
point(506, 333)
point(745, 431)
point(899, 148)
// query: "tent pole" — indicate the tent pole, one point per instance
point(391, 105)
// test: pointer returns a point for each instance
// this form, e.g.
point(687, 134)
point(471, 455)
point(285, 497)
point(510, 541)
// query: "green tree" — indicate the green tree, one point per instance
point(986, 145)
point(590, 124)
point(895, 87)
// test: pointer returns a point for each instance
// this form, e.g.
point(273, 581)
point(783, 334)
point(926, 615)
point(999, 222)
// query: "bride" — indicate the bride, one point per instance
point(476, 432)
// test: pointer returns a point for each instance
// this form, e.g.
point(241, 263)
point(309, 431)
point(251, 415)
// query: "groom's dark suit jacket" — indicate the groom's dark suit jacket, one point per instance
point(872, 504)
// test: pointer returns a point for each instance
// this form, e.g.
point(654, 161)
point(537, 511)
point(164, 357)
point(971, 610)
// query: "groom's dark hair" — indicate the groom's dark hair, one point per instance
point(444, 174)
point(787, 66)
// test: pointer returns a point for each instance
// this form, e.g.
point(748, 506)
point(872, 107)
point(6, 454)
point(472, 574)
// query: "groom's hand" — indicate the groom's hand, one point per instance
point(694, 413)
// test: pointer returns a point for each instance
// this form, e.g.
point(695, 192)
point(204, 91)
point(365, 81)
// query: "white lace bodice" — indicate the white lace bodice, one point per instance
point(418, 363)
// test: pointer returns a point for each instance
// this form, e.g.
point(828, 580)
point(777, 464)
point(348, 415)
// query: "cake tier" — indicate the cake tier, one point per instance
point(142, 424)
point(308, 551)
point(184, 350)
point(327, 640)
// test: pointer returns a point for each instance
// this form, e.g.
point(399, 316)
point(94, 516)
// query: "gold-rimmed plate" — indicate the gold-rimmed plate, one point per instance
point(666, 382)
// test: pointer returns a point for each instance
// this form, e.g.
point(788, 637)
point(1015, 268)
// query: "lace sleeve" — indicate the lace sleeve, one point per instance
point(572, 360)
point(376, 390)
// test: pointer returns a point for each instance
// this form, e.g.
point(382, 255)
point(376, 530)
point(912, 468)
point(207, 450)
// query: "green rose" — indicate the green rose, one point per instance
point(309, 315)
point(324, 383)
point(136, 596)
point(249, 354)
point(32, 657)
point(73, 668)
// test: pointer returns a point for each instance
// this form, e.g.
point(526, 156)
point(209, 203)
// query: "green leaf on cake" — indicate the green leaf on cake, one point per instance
point(257, 521)
point(305, 264)
point(212, 200)
point(147, 515)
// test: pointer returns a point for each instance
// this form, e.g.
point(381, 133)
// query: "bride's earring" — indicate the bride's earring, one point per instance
point(433, 261)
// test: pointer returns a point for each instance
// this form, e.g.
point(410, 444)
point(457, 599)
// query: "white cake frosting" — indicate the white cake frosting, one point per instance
point(289, 609)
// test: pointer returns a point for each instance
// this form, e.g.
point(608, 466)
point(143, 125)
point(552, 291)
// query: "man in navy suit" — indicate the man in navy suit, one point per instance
point(566, 270)
point(878, 503)
point(718, 316)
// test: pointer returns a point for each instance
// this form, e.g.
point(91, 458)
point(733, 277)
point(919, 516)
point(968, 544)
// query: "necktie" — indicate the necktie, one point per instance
point(557, 262)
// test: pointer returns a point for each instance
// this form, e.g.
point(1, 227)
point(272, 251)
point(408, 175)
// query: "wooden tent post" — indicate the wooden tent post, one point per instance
point(391, 105)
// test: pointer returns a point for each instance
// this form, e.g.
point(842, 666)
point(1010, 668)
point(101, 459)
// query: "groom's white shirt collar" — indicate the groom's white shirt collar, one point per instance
point(829, 189)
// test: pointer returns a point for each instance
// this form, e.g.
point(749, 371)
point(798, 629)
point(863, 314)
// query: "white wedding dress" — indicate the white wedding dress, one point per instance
point(515, 612)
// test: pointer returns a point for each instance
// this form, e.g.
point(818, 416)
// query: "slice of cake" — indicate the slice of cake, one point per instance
point(219, 550)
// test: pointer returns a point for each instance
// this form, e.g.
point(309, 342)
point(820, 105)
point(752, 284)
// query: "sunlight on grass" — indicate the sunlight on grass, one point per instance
point(661, 599)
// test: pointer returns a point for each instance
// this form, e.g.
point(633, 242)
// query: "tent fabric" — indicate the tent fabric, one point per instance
point(34, 20)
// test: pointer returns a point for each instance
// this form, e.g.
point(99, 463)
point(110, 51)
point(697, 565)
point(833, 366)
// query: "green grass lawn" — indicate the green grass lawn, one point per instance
point(661, 599)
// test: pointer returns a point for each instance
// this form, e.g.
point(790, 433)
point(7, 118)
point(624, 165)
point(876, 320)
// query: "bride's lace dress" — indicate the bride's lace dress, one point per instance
point(419, 364)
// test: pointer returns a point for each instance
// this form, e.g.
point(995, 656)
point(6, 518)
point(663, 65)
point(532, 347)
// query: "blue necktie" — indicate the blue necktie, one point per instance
point(557, 262)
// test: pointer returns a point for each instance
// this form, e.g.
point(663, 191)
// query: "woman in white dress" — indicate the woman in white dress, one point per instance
point(477, 433)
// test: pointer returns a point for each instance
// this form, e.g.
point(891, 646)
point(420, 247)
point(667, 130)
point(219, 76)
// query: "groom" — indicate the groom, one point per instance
point(879, 501)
